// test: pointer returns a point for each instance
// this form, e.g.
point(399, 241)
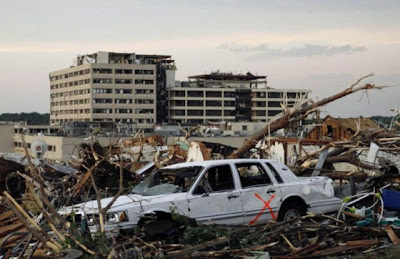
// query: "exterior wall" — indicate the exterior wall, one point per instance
point(6, 138)
point(243, 128)
point(186, 107)
point(59, 148)
point(104, 92)
point(329, 129)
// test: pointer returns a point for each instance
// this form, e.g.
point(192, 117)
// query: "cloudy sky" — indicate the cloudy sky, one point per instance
point(319, 45)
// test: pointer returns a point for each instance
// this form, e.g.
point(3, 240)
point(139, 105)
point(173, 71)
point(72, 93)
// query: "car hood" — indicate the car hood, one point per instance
point(122, 203)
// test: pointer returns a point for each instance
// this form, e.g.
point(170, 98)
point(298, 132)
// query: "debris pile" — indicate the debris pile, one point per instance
point(363, 165)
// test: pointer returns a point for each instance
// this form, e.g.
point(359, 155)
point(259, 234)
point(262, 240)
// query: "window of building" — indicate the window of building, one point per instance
point(195, 93)
point(260, 104)
point(144, 101)
point(102, 90)
point(144, 81)
point(261, 113)
point(102, 100)
point(123, 71)
point(144, 91)
point(195, 103)
point(146, 111)
point(213, 113)
point(123, 91)
point(244, 127)
point(102, 111)
point(275, 95)
point(229, 94)
point(124, 101)
point(229, 113)
point(178, 93)
point(102, 71)
point(102, 80)
point(144, 72)
point(123, 110)
point(274, 104)
point(195, 112)
point(214, 103)
point(123, 81)
point(213, 94)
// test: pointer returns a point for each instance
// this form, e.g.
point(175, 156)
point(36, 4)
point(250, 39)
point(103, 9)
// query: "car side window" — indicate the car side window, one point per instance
point(274, 172)
point(216, 179)
point(252, 174)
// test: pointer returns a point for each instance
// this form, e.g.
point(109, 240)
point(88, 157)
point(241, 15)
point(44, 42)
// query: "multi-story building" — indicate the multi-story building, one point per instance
point(115, 87)
point(227, 97)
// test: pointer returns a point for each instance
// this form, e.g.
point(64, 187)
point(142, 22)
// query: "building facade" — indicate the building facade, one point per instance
point(228, 97)
point(114, 87)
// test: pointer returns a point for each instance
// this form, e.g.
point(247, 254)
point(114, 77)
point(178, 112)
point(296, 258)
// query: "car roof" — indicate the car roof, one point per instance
point(216, 162)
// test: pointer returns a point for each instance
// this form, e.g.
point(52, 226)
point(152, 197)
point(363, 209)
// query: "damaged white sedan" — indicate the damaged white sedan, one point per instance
point(239, 191)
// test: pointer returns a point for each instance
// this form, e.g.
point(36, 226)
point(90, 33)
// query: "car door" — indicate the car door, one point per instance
point(260, 197)
point(215, 198)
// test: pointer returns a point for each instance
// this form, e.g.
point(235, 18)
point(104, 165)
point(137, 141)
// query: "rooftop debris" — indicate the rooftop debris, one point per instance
point(364, 164)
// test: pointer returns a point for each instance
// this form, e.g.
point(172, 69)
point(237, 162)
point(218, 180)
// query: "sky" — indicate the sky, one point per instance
point(321, 45)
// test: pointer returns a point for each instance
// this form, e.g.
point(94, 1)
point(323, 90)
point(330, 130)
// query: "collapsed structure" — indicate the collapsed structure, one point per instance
point(32, 224)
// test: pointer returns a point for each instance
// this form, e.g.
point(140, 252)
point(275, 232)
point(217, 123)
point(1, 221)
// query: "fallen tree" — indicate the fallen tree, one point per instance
point(299, 112)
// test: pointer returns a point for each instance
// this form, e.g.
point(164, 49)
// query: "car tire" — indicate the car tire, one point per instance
point(290, 211)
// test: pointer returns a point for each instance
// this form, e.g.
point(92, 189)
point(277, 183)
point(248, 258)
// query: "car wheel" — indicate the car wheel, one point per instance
point(291, 211)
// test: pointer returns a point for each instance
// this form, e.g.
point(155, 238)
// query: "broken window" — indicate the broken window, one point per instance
point(229, 94)
point(261, 113)
point(102, 71)
point(123, 100)
point(252, 174)
point(275, 95)
point(144, 91)
point(144, 101)
point(144, 81)
point(195, 93)
point(216, 179)
point(213, 94)
point(274, 172)
point(102, 80)
point(213, 113)
point(123, 81)
point(195, 103)
point(167, 181)
point(195, 112)
point(102, 91)
point(102, 110)
point(123, 91)
point(214, 103)
point(98, 100)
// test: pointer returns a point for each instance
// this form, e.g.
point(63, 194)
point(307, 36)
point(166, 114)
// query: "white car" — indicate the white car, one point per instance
point(239, 191)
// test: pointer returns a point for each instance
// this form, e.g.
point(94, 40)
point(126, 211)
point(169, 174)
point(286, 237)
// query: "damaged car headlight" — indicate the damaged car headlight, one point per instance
point(116, 217)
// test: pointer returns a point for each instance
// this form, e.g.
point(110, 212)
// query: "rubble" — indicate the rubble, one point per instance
point(363, 164)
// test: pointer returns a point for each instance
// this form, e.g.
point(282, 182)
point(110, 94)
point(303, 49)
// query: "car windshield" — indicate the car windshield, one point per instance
point(167, 181)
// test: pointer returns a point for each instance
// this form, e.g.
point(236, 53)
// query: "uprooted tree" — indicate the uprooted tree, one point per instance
point(299, 112)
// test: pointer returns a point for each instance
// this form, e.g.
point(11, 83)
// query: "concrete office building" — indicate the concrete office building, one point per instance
point(113, 87)
point(227, 97)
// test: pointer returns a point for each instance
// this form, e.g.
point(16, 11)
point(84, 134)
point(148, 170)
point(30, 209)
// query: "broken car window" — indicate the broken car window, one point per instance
point(275, 173)
point(167, 181)
point(216, 179)
point(252, 174)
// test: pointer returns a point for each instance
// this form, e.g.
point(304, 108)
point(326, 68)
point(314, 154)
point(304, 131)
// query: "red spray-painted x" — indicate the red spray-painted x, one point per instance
point(266, 205)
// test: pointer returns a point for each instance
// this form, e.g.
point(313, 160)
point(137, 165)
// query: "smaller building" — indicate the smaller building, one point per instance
point(341, 128)
point(6, 136)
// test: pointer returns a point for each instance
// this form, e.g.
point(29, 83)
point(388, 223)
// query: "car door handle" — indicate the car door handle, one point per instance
point(270, 191)
point(233, 196)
